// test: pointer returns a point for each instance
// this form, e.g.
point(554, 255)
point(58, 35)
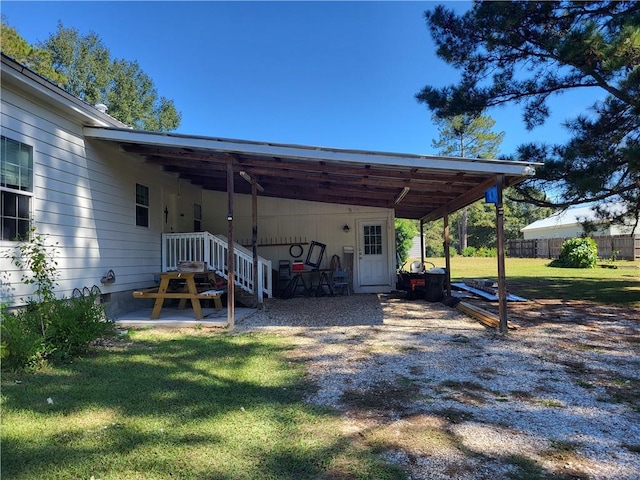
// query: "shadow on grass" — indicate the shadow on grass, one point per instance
point(603, 291)
point(210, 406)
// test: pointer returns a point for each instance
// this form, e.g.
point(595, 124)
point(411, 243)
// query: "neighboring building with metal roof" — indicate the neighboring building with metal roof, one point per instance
point(568, 224)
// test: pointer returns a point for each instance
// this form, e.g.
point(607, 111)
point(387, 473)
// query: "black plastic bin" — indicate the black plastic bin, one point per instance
point(434, 286)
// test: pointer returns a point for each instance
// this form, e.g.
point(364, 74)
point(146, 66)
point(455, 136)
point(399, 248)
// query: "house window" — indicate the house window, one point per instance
point(16, 188)
point(197, 217)
point(142, 205)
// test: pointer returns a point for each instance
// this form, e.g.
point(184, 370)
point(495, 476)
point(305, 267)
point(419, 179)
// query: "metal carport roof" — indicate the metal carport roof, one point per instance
point(416, 186)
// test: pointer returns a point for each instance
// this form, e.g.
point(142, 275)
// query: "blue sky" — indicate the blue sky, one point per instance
point(331, 74)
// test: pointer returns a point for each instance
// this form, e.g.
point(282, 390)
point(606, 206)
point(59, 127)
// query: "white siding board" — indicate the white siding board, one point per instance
point(36, 116)
point(85, 199)
point(283, 220)
point(415, 251)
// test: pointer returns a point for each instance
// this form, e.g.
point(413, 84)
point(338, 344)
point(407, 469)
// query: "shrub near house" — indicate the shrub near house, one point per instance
point(577, 253)
point(48, 328)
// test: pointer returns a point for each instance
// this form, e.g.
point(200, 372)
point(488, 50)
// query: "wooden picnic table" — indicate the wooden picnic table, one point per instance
point(188, 291)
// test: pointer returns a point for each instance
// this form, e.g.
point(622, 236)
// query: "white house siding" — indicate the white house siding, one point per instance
point(294, 221)
point(414, 251)
point(179, 196)
point(84, 201)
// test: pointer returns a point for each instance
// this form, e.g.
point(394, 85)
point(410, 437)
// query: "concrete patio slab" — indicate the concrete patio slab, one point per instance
point(174, 318)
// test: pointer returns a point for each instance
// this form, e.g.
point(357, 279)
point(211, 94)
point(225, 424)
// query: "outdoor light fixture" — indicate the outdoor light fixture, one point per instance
point(230, 216)
point(529, 170)
point(249, 179)
point(346, 229)
point(401, 195)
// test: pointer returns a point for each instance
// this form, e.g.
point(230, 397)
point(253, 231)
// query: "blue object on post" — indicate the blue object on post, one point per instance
point(491, 195)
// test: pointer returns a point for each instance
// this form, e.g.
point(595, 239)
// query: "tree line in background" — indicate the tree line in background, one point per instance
point(83, 66)
point(480, 229)
point(473, 229)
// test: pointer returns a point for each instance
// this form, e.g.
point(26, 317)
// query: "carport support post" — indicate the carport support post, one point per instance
point(502, 278)
point(230, 250)
point(254, 239)
point(421, 242)
point(447, 253)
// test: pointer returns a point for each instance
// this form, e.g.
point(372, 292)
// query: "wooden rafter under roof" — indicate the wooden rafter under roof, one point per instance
point(416, 186)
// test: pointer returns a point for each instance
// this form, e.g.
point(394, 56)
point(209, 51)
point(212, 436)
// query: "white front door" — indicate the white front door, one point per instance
point(373, 265)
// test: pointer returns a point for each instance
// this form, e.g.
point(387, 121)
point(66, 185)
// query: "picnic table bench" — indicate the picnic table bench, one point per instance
point(189, 290)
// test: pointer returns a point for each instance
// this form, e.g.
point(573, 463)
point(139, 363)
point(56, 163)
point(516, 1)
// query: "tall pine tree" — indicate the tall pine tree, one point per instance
point(472, 137)
point(528, 52)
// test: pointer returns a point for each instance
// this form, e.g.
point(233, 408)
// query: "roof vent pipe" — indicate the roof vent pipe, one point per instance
point(101, 107)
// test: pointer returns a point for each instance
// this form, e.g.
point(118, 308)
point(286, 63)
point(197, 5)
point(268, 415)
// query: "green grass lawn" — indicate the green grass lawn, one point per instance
point(208, 405)
point(533, 279)
point(194, 405)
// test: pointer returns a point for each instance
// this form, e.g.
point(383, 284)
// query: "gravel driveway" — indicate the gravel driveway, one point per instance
point(438, 393)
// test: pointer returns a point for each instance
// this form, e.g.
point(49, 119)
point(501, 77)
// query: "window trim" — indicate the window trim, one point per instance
point(141, 205)
point(24, 193)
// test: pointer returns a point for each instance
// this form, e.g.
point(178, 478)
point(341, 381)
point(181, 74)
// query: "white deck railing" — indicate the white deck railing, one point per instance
point(206, 247)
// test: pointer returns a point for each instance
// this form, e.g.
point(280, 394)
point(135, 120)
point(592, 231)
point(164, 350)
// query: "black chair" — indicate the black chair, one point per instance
point(284, 275)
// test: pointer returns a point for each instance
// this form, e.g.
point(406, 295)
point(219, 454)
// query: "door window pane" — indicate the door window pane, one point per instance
point(372, 240)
